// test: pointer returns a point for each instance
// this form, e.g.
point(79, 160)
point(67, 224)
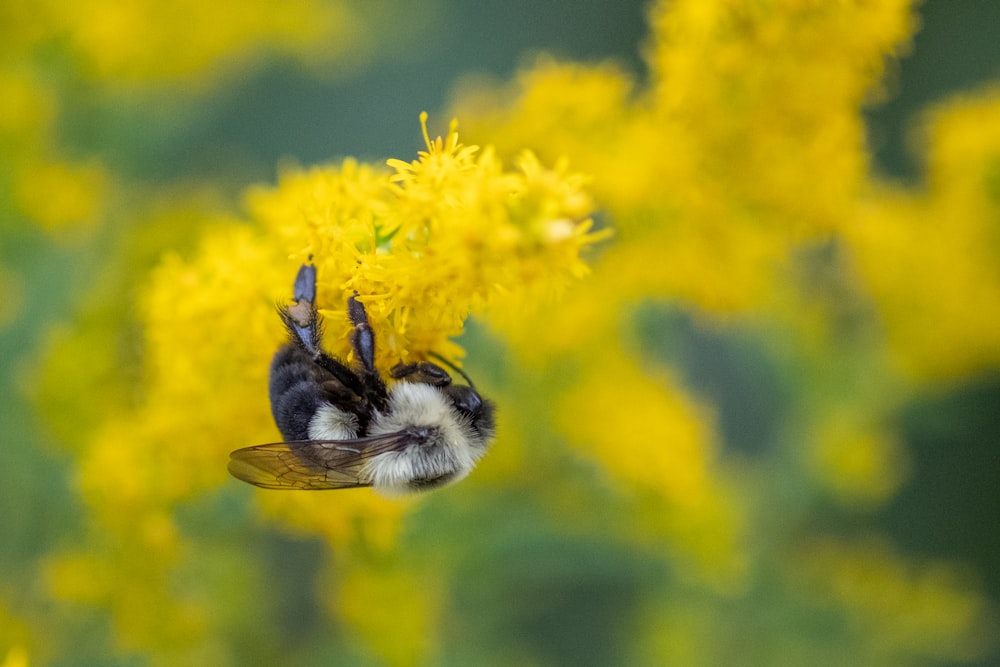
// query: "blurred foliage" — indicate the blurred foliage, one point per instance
point(762, 430)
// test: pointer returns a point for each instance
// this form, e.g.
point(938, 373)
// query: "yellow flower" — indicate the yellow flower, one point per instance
point(58, 195)
point(438, 238)
point(55, 49)
point(712, 174)
point(905, 609)
point(862, 465)
point(17, 656)
point(392, 606)
point(17, 638)
point(423, 245)
point(659, 449)
point(723, 178)
point(129, 42)
point(930, 258)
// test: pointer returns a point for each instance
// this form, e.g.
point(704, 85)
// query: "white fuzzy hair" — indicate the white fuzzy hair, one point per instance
point(332, 423)
point(450, 450)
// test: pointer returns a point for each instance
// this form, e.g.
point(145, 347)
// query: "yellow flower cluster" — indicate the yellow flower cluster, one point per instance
point(118, 47)
point(747, 145)
point(16, 657)
point(906, 610)
point(14, 638)
point(432, 241)
point(56, 57)
point(32, 167)
point(740, 189)
point(423, 245)
point(930, 258)
point(659, 447)
point(858, 463)
point(129, 42)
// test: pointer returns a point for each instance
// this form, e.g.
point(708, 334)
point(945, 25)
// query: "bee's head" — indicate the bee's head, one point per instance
point(463, 397)
point(467, 401)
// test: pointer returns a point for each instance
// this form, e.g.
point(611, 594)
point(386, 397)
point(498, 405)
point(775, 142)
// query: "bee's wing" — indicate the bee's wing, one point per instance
point(311, 464)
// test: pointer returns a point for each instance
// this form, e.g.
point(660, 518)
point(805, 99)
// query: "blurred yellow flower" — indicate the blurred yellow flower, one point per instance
point(58, 194)
point(16, 636)
point(56, 55)
point(17, 656)
point(905, 610)
point(740, 189)
point(859, 464)
point(930, 257)
point(26, 107)
point(660, 450)
point(383, 600)
point(748, 143)
point(128, 43)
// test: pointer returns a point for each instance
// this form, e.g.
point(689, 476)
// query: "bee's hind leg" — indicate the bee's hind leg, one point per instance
point(362, 338)
point(301, 318)
point(363, 343)
point(305, 328)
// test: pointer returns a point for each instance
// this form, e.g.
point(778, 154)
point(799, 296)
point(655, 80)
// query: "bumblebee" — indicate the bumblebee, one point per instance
point(345, 427)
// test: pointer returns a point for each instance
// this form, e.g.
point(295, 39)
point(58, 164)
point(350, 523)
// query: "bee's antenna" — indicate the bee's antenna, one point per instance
point(453, 367)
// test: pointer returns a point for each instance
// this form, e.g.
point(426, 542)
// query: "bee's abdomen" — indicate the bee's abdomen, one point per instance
point(295, 391)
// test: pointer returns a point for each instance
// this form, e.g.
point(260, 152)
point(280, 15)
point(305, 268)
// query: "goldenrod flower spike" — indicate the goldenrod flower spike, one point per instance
point(425, 245)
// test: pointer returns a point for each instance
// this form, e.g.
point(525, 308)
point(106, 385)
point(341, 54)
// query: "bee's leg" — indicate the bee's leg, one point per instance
point(362, 338)
point(302, 321)
point(363, 342)
point(423, 371)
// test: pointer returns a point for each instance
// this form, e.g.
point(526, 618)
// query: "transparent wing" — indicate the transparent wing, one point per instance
point(311, 464)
